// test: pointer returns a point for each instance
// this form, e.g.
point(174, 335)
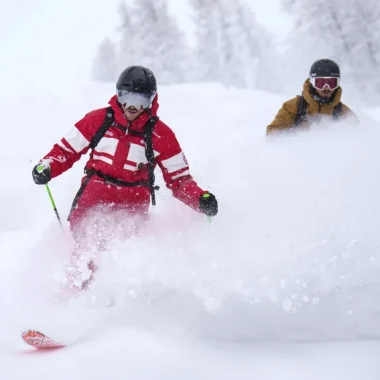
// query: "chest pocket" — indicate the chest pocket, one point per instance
point(137, 154)
point(107, 145)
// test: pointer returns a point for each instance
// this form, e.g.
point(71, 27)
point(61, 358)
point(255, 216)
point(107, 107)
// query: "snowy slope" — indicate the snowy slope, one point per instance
point(284, 283)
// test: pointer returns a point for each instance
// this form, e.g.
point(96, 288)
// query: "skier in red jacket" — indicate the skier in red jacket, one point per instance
point(126, 141)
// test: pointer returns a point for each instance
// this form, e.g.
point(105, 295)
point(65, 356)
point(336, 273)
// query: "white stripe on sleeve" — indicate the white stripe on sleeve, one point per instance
point(175, 163)
point(186, 172)
point(64, 147)
point(76, 140)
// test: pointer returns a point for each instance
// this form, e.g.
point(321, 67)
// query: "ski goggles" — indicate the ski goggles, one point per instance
point(321, 82)
point(133, 99)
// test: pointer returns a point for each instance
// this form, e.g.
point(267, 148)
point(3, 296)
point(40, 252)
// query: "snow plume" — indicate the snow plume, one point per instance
point(293, 253)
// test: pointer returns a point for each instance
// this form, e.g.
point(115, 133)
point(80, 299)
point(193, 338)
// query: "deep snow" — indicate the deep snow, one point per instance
point(284, 282)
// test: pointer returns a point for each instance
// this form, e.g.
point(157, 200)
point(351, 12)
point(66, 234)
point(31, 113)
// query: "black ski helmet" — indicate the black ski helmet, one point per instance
point(137, 79)
point(324, 68)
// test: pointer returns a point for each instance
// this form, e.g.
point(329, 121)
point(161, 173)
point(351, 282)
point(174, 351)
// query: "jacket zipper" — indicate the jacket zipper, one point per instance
point(127, 129)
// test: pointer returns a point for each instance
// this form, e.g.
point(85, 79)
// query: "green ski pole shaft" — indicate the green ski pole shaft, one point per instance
point(53, 204)
point(40, 169)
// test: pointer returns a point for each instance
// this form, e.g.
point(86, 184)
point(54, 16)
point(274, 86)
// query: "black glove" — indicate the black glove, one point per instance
point(41, 173)
point(208, 204)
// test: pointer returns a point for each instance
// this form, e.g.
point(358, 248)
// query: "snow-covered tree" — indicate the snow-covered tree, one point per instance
point(151, 37)
point(257, 50)
point(362, 28)
point(206, 58)
point(148, 36)
point(170, 51)
point(126, 40)
point(231, 45)
point(105, 62)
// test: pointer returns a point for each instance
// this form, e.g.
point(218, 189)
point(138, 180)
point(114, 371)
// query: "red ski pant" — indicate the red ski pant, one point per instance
point(103, 212)
point(109, 199)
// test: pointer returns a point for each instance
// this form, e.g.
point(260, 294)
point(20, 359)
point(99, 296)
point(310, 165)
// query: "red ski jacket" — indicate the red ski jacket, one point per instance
point(122, 155)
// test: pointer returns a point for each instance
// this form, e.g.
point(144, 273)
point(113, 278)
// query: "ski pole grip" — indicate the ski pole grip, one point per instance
point(40, 168)
point(207, 195)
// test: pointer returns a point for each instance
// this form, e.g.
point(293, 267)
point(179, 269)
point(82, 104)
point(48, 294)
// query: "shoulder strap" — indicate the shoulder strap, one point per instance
point(147, 136)
point(149, 153)
point(337, 111)
point(107, 122)
point(148, 131)
point(301, 111)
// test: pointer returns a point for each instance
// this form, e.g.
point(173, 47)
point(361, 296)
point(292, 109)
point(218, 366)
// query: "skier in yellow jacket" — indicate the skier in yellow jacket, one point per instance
point(321, 96)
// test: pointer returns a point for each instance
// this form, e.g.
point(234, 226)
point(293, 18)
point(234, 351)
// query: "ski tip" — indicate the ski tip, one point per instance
point(39, 340)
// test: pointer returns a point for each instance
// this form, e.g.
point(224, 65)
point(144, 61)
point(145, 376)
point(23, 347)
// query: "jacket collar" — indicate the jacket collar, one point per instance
point(139, 123)
point(310, 99)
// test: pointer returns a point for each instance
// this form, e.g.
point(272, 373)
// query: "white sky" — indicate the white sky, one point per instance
point(52, 42)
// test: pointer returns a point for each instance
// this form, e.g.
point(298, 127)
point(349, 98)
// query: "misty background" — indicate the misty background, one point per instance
point(229, 44)
point(244, 44)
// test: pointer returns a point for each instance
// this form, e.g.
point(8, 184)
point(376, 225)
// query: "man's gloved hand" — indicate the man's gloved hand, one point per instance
point(208, 204)
point(41, 173)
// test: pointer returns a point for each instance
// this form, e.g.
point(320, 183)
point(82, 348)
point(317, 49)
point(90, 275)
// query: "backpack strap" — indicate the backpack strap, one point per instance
point(301, 111)
point(337, 111)
point(149, 153)
point(107, 122)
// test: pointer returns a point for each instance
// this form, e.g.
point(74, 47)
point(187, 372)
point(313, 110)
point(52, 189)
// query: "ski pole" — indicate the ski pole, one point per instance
point(40, 168)
point(53, 204)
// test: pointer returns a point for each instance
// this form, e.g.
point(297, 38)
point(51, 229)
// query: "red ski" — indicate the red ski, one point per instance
point(40, 341)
